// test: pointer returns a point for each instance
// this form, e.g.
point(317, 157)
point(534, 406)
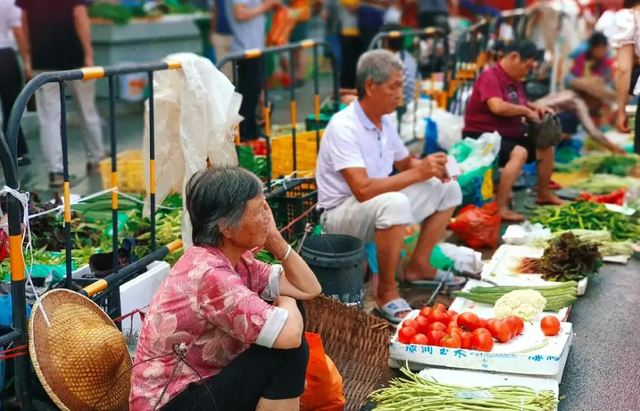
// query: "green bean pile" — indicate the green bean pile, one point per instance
point(419, 394)
point(586, 215)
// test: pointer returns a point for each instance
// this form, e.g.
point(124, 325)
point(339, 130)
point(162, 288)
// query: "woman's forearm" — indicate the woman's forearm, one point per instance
point(296, 271)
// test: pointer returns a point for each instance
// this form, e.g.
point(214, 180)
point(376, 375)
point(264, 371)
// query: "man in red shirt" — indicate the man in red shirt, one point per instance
point(498, 103)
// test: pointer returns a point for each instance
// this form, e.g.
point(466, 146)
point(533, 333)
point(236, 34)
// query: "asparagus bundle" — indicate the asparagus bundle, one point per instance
point(415, 393)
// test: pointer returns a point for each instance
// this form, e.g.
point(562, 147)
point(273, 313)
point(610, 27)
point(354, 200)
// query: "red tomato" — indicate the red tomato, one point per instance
point(440, 307)
point(489, 322)
point(454, 318)
point(451, 313)
point(434, 337)
point(438, 316)
point(500, 331)
point(512, 326)
point(451, 341)
point(467, 338)
point(516, 321)
point(468, 321)
point(425, 312)
point(456, 330)
point(420, 339)
point(423, 323)
point(436, 327)
point(451, 325)
point(482, 323)
point(482, 342)
point(406, 334)
point(411, 324)
point(550, 325)
point(479, 331)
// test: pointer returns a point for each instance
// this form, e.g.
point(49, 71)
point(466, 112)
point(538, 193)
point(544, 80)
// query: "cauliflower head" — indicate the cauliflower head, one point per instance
point(526, 304)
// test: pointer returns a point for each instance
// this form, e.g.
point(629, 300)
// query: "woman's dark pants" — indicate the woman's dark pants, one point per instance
point(257, 372)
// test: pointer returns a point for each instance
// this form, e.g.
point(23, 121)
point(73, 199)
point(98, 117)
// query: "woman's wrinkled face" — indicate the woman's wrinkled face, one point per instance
point(254, 227)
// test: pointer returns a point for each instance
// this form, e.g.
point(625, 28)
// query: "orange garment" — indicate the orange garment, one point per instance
point(304, 7)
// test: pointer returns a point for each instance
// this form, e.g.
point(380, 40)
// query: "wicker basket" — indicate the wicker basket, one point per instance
point(357, 342)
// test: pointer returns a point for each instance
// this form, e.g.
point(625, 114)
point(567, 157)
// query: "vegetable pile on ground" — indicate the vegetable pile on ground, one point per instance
point(586, 215)
point(615, 164)
point(441, 328)
point(566, 258)
point(604, 183)
point(556, 296)
point(606, 246)
point(415, 393)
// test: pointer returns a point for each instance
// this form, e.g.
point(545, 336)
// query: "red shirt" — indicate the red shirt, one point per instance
point(494, 82)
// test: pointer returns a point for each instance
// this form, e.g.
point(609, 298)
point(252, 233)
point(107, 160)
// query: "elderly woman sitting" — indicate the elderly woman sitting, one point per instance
point(211, 336)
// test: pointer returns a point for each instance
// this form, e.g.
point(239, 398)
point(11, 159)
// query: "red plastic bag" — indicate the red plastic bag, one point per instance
point(323, 383)
point(283, 22)
point(478, 227)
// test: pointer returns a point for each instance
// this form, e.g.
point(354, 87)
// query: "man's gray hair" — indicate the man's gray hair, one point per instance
point(377, 65)
point(217, 199)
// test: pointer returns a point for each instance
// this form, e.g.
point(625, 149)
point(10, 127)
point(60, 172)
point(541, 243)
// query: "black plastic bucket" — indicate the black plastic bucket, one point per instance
point(337, 261)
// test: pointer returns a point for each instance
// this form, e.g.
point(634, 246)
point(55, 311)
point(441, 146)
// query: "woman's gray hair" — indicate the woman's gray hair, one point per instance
point(216, 199)
point(377, 65)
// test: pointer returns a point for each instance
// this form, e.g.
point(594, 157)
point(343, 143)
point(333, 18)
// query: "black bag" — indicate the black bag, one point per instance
point(546, 133)
point(635, 75)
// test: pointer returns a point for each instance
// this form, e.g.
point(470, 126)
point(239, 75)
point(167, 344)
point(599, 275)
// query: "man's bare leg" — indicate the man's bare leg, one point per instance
point(292, 404)
point(419, 268)
point(388, 247)
point(510, 174)
point(545, 170)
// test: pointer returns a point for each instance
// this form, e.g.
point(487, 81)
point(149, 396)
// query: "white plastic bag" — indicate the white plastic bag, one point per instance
point(449, 128)
point(196, 112)
point(484, 151)
point(464, 259)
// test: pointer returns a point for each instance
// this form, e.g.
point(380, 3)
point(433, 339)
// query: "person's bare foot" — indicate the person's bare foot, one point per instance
point(426, 274)
point(549, 199)
point(510, 216)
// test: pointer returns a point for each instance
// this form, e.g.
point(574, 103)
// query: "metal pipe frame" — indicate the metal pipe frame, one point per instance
point(289, 50)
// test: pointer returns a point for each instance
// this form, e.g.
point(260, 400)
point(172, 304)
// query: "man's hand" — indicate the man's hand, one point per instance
point(541, 110)
point(622, 121)
point(272, 4)
point(433, 166)
point(533, 116)
point(28, 71)
point(88, 60)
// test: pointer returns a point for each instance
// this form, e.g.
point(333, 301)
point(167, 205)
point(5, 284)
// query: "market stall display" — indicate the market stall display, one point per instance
point(530, 353)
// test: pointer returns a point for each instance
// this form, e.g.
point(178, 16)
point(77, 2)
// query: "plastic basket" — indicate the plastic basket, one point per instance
point(306, 154)
point(130, 172)
point(293, 203)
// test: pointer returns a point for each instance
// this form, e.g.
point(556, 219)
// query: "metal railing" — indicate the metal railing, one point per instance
point(289, 50)
point(8, 151)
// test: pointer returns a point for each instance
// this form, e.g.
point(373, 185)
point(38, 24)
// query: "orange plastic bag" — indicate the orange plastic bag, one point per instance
point(283, 22)
point(478, 227)
point(323, 383)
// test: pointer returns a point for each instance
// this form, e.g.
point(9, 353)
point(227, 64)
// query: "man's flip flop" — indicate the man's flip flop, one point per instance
point(451, 280)
point(392, 308)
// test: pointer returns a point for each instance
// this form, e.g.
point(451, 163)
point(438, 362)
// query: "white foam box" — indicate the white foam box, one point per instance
point(476, 379)
point(502, 268)
point(461, 305)
point(548, 361)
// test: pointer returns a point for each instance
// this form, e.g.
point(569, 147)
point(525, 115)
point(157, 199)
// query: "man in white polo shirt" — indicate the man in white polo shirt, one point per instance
point(358, 153)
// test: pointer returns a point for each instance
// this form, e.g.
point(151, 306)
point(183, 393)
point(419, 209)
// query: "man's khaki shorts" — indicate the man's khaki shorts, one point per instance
point(412, 205)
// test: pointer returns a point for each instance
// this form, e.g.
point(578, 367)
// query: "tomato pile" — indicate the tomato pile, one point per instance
point(440, 327)
point(616, 197)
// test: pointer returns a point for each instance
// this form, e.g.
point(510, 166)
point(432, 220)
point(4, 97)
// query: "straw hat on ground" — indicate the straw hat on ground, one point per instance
point(82, 359)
